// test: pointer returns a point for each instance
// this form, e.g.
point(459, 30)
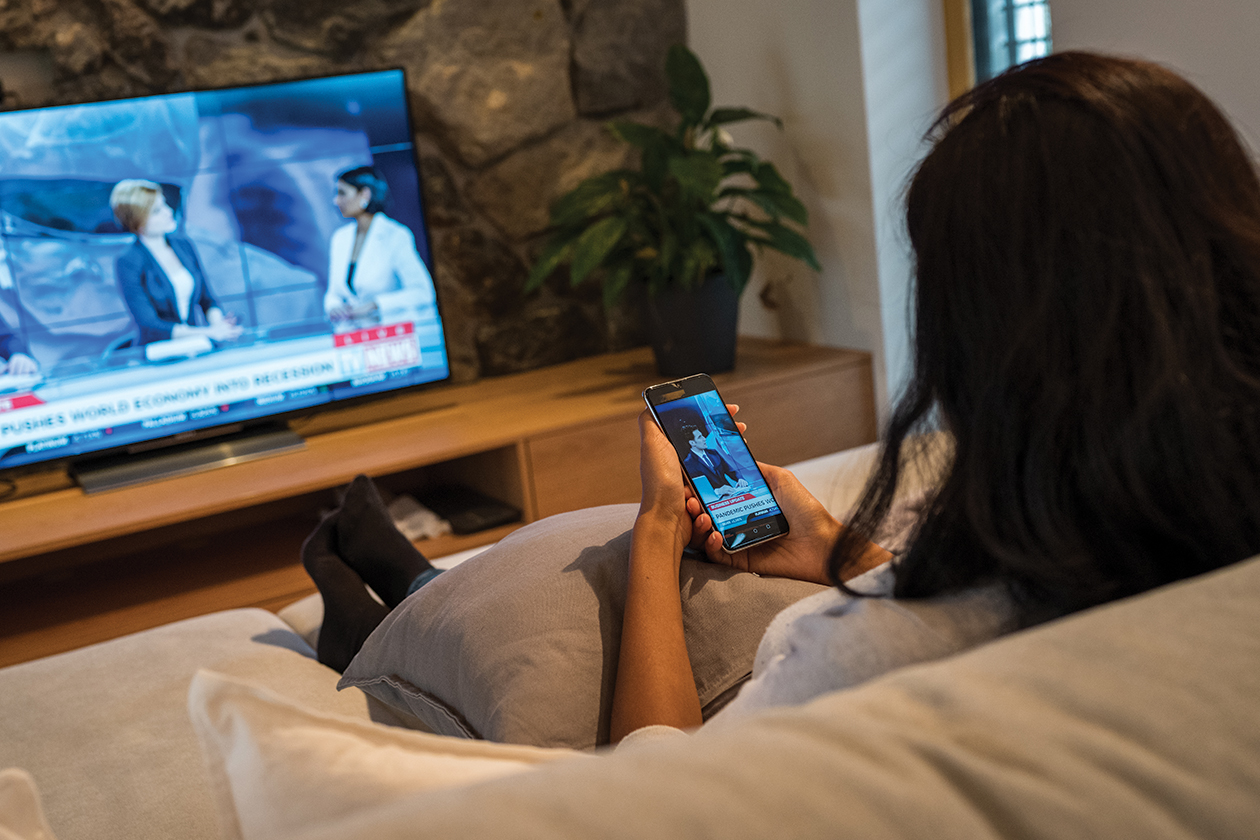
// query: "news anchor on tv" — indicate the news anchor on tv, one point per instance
point(14, 360)
point(160, 275)
point(373, 266)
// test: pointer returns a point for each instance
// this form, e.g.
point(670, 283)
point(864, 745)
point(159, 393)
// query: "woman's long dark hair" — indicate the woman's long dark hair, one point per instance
point(1086, 232)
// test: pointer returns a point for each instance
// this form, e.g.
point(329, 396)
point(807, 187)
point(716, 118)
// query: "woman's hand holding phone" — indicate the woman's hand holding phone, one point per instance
point(665, 490)
point(801, 554)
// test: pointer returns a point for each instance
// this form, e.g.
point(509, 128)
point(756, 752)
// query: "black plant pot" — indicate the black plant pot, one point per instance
point(693, 330)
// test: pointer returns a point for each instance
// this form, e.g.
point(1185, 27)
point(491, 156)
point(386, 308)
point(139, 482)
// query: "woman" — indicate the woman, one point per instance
point(373, 266)
point(160, 275)
point(1087, 240)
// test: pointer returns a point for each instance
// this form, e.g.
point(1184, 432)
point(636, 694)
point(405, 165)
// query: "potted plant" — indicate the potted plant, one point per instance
point(684, 224)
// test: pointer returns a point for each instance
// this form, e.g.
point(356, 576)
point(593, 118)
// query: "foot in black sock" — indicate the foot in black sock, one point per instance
point(373, 546)
point(350, 612)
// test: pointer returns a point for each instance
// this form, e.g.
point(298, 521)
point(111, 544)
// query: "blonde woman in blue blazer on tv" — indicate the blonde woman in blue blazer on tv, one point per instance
point(160, 276)
point(373, 267)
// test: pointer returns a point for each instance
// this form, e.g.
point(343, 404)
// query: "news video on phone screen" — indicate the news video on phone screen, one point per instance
point(721, 468)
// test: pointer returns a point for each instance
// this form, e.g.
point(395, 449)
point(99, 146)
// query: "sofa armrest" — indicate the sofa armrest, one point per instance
point(837, 479)
point(104, 730)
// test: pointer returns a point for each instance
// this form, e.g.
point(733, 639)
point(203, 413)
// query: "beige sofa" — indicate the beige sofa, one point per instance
point(1138, 719)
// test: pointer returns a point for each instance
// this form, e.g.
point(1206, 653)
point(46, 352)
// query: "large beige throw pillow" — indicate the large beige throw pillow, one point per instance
point(1135, 721)
point(519, 644)
point(278, 769)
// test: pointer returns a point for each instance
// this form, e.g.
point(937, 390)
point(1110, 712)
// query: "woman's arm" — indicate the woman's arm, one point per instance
point(654, 681)
point(411, 270)
point(130, 269)
point(414, 285)
point(220, 326)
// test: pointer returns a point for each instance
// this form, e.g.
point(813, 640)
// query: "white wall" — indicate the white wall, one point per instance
point(856, 83)
point(1213, 43)
point(906, 84)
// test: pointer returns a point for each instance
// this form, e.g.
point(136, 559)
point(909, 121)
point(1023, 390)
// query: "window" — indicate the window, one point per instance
point(1008, 32)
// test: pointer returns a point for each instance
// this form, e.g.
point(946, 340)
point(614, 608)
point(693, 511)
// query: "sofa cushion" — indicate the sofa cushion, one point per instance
point(290, 767)
point(104, 731)
point(519, 644)
point(1133, 720)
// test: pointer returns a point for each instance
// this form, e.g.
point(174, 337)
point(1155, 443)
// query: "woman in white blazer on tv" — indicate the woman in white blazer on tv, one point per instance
point(373, 267)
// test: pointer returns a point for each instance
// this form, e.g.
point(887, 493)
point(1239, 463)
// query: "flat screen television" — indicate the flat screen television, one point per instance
point(107, 345)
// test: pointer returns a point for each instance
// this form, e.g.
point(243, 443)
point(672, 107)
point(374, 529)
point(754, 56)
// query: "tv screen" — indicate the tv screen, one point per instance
point(174, 265)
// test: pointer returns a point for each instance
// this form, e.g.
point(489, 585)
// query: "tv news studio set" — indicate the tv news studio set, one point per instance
point(250, 175)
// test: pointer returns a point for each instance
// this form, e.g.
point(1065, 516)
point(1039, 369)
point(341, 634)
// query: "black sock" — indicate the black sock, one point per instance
point(350, 612)
point(373, 546)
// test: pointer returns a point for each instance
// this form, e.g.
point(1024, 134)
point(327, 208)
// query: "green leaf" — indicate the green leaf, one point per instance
point(698, 175)
point(775, 204)
point(722, 116)
point(785, 240)
point(669, 250)
point(615, 283)
point(593, 196)
point(655, 163)
point(698, 260)
point(769, 179)
point(742, 164)
point(593, 245)
point(732, 247)
point(688, 84)
point(638, 134)
point(557, 251)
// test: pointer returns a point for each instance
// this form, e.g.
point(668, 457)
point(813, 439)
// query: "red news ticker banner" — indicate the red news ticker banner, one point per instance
point(371, 334)
point(19, 401)
point(385, 347)
point(730, 501)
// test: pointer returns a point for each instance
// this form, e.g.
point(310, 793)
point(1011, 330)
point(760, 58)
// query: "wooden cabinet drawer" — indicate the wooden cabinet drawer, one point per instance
point(791, 418)
point(597, 464)
point(795, 418)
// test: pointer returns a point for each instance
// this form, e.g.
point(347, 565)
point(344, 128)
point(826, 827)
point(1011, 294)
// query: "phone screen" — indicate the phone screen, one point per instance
point(717, 462)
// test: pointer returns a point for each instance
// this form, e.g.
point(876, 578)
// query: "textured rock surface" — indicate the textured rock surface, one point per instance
point(491, 75)
point(619, 53)
point(517, 192)
point(509, 98)
point(334, 27)
point(549, 329)
point(221, 60)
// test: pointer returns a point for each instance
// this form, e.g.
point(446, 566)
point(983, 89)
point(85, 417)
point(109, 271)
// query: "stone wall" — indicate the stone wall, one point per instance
point(508, 98)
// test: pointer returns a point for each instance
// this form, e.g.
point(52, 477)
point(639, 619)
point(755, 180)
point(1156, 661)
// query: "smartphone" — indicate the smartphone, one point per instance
point(716, 461)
